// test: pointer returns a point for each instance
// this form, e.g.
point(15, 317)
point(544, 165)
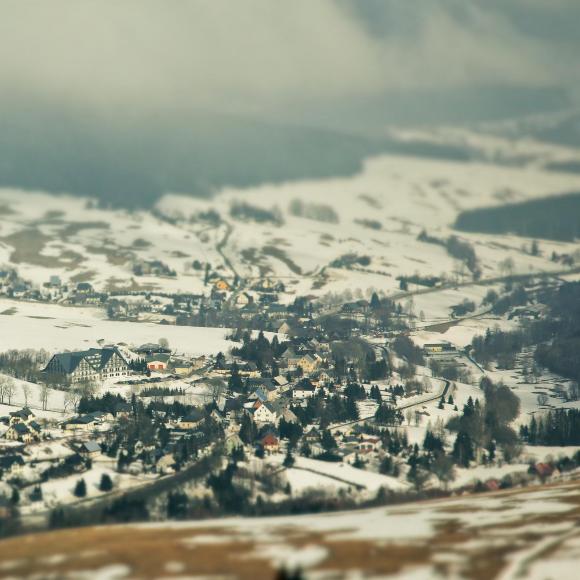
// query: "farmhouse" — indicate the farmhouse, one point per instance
point(158, 362)
point(87, 366)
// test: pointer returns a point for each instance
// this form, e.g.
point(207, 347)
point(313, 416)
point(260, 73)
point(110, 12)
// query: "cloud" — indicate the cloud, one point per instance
point(258, 55)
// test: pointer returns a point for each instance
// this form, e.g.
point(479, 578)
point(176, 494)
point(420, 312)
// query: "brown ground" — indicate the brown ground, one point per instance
point(455, 548)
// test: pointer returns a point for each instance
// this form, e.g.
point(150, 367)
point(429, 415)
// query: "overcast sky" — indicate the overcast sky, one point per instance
point(281, 59)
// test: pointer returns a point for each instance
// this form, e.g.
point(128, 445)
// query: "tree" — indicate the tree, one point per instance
point(26, 392)
point(442, 467)
point(72, 398)
point(3, 388)
point(177, 505)
point(463, 451)
point(542, 399)
point(106, 483)
point(164, 343)
point(44, 394)
point(80, 488)
point(289, 459)
point(10, 387)
point(328, 442)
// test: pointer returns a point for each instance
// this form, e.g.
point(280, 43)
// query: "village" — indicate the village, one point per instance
point(309, 401)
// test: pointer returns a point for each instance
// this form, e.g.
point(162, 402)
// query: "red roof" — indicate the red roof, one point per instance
point(270, 440)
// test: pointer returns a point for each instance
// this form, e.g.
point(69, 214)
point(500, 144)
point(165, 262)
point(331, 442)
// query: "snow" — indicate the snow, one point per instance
point(347, 474)
point(301, 481)
point(74, 328)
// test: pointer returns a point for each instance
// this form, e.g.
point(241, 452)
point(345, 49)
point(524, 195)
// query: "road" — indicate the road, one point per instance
point(370, 418)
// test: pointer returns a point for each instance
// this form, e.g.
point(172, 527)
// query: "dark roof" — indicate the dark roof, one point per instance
point(193, 416)
point(161, 357)
point(21, 429)
point(91, 446)
point(84, 420)
point(22, 413)
point(96, 357)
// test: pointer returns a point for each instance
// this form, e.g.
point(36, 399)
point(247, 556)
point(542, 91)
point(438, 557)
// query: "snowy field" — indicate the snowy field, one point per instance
point(379, 214)
point(341, 473)
point(55, 328)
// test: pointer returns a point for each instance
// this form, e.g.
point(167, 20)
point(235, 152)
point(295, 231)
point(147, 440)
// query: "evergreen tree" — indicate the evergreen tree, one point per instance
point(106, 483)
point(328, 442)
point(289, 459)
point(80, 488)
point(463, 451)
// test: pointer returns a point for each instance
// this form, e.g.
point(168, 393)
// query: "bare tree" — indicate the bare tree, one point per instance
point(409, 416)
point(507, 267)
point(542, 399)
point(217, 388)
point(10, 388)
point(72, 398)
point(26, 392)
point(574, 391)
point(417, 418)
point(3, 388)
point(44, 394)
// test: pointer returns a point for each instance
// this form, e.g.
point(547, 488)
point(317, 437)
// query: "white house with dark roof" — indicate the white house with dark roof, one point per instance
point(92, 365)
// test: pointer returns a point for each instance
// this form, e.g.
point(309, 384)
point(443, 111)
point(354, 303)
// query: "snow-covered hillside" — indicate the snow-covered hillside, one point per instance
point(375, 215)
point(525, 533)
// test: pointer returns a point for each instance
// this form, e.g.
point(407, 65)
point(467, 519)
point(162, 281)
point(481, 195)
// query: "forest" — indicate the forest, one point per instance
point(553, 218)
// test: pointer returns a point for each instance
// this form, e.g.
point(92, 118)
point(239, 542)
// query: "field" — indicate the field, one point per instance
point(375, 215)
point(525, 533)
point(55, 328)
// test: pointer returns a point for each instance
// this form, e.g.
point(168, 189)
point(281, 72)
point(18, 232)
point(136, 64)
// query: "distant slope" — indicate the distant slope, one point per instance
point(552, 218)
point(519, 533)
point(131, 161)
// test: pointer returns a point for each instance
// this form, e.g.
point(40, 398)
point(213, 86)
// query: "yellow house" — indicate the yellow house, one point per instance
point(308, 363)
point(222, 285)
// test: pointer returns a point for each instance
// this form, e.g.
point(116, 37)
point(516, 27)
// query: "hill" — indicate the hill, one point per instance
point(468, 537)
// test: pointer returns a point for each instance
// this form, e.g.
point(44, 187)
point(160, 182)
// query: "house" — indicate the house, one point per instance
point(321, 378)
point(308, 363)
point(84, 288)
point(369, 444)
point(81, 423)
point(284, 328)
point(150, 349)
point(158, 362)
point(249, 369)
point(243, 299)
point(191, 420)
point(266, 413)
point(304, 390)
point(123, 410)
point(222, 285)
point(90, 449)
point(24, 415)
point(270, 443)
point(87, 366)
point(181, 368)
point(281, 381)
point(22, 432)
point(439, 348)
